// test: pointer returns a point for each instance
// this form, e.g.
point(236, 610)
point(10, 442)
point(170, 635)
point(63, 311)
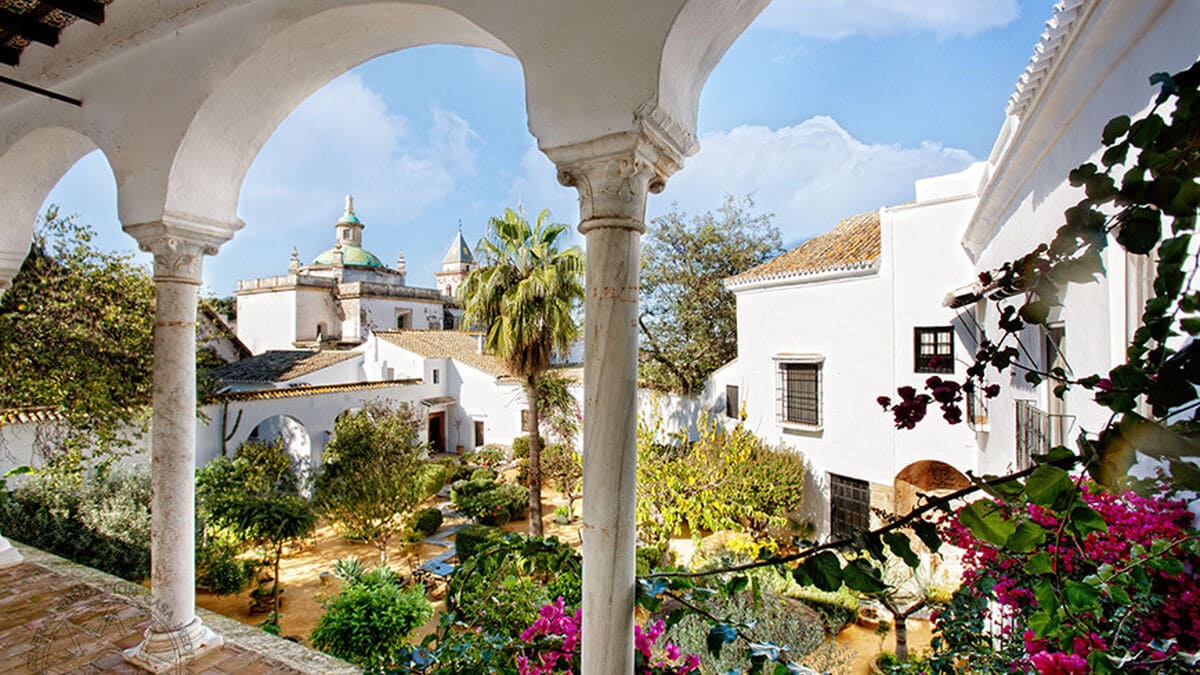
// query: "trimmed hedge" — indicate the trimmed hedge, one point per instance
point(427, 521)
point(473, 538)
point(494, 505)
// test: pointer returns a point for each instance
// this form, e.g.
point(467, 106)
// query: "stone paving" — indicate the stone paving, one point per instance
point(52, 622)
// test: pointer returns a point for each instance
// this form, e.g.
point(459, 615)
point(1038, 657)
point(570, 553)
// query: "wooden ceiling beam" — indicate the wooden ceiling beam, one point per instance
point(30, 29)
point(92, 12)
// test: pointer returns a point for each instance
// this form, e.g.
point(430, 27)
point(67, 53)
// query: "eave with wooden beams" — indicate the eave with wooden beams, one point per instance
point(24, 22)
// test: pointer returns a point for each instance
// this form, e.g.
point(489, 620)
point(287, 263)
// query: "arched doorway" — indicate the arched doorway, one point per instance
point(294, 436)
point(926, 477)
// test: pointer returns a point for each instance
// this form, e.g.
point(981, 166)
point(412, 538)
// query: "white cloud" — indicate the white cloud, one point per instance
point(833, 19)
point(809, 175)
point(343, 139)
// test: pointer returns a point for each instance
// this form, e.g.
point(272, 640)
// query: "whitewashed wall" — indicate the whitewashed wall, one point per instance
point(1105, 75)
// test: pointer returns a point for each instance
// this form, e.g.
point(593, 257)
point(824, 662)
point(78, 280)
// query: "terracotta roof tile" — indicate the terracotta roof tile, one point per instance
point(445, 344)
point(278, 366)
point(313, 390)
point(853, 244)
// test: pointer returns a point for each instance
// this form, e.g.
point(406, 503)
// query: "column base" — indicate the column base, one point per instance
point(9, 556)
point(161, 652)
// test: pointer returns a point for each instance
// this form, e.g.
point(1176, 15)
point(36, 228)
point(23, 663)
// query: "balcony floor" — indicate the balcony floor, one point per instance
point(58, 617)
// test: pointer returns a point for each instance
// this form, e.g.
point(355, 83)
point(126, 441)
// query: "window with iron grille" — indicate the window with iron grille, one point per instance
point(849, 505)
point(1032, 434)
point(799, 393)
point(732, 405)
point(933, 349)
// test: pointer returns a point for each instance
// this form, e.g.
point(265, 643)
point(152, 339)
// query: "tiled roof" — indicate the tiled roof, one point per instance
point(853, 244)
point(278, 366)
point(445, 344)
point(313, 390)
point(43, 413)
point(1060, 30)
point(462, 347)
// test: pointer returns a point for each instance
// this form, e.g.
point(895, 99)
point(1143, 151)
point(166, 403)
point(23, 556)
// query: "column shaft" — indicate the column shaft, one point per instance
point(173, 457)
point(610, 449)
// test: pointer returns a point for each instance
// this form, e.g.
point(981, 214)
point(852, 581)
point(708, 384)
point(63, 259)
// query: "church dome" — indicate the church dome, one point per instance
point(349, 238)
point(352, 256)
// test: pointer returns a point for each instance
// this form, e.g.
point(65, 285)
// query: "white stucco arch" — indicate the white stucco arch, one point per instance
point(239, 116)
point(29, 169)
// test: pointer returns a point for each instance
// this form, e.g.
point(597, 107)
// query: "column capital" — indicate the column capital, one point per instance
point(614, 173)
point(179, 244)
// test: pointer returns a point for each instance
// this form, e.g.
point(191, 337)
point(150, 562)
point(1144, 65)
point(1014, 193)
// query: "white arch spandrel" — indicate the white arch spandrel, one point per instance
point(238, 118)
point(29, 170)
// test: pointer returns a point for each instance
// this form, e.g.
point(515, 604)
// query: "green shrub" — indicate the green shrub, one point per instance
point(494, 505)
point(500, 589)
point(484, 473)
point(490, 455)
point(427, 521)
point(219, 570)
point(648, 559)
point(97, 521)
point(368, 622)
point(776, 619)
point(461, 472)
point(471, 539)
point(520, 446)
point(438, 474)
point(462, 489)
point(836, 609)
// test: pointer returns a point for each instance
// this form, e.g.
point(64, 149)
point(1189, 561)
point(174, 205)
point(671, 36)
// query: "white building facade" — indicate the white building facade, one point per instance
point(345, 293)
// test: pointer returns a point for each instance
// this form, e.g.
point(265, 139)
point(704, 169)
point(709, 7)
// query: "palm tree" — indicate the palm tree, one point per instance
point(523, 296)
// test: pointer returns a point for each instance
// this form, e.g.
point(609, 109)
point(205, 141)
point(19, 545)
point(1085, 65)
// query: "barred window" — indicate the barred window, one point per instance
point(799, 393)
point(732, 405)
point(849, 505)
point(933, 349)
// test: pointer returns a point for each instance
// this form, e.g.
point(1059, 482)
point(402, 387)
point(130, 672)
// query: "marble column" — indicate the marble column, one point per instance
point(9, 264)
point(613, 175)
point(176, 635)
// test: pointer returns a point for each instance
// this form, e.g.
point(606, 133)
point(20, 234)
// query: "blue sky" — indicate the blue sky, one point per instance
point(822, 109)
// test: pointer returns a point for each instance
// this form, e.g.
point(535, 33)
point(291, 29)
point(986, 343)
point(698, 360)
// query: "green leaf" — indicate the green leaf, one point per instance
point(928, 534)
point(900, 546)
point(1028, 536)
point(1085, 520)
point(1043, 623)
point(825, 570)
point(1038, 563)
point(720, 635)
point(1080, 595)
point(737, 584)
point(1049, 486)
point(986, 521)
point(1116, 128)
point(863, 578)
point(1043, 590)
point(1035, 312)
point(1118, 594)
point(1141, 230)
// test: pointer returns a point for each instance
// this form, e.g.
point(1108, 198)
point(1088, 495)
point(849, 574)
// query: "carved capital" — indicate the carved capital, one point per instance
point(179, 245)
point(614, 174)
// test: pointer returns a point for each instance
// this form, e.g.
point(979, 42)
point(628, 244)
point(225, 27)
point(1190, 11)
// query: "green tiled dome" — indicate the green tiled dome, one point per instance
point(352, 256)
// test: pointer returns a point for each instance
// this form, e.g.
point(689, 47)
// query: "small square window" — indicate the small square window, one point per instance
point(799, 393)
point(849, 505)
point(732, 405)
point(933, 349)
